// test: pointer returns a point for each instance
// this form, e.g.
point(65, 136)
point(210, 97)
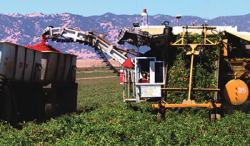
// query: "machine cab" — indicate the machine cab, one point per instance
point(149, 76)
point(149, 71)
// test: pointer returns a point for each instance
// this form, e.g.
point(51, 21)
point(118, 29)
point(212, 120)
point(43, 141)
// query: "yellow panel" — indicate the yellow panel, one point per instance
point(153, 31)
point(242, 35)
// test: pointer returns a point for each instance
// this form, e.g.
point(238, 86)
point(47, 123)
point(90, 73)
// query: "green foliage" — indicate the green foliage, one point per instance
point(106, 120)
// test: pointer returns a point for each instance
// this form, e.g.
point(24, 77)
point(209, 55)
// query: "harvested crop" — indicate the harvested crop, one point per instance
point(43, 46)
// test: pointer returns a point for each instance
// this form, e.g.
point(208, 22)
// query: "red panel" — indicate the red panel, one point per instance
point(128, 63)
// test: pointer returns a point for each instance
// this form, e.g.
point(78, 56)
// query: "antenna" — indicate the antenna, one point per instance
point(178, 17)
point(206, 22)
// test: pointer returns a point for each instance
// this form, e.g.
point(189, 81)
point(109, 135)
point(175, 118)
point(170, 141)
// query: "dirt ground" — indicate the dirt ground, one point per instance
point(93, 62)
point(88, 70)
point(87, 78)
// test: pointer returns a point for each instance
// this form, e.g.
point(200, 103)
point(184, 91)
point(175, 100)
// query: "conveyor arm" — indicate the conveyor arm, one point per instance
point(61, 34)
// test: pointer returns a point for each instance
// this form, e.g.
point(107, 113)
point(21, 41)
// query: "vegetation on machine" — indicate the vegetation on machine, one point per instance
point(109, 121)
point(203, 74)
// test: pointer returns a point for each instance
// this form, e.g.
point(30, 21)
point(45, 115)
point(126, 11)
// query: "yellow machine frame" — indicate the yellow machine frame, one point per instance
point(190, 103)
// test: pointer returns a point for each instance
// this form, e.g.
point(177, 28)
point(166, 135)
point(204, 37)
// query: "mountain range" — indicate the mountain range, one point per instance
point(27, 29)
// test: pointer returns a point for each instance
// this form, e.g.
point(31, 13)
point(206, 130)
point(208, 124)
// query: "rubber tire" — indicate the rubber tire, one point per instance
point(40, 107)
point(8, 104)
point(215, 117)
point(13, 118)
point(66, 99)
point(5, 102)
point(159, 116)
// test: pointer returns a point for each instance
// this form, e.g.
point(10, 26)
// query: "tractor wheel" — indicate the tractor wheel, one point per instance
point(67, 99)
point(40, 107)
point(215, 114)
point(13, 118)
point(5, 100)
point(215, 117)
point(159, 116)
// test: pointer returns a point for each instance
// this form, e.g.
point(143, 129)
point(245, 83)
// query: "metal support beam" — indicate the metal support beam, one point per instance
point(193, 89)
point(210, 105)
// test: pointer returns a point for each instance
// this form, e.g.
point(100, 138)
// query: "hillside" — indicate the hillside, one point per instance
point(27, 29)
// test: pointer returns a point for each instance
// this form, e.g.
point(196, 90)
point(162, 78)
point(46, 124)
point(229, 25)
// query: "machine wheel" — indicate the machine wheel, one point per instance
point(215, 117)
point(40, 107)
point(5, 100)
point(66, 99)
point(13, 118)
point(159, 116)
point(161, 113)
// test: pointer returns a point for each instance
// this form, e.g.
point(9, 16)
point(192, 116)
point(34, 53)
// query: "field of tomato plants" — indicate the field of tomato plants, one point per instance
point(103, 119)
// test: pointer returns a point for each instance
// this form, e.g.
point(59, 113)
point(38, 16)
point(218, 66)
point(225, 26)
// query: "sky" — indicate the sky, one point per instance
point(207, 9)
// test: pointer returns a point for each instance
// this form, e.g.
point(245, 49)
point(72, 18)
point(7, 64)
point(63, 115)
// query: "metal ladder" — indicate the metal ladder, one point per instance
point(102, 55)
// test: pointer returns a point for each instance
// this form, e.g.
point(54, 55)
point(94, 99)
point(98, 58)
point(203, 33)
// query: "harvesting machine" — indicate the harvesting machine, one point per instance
point(187, 66)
